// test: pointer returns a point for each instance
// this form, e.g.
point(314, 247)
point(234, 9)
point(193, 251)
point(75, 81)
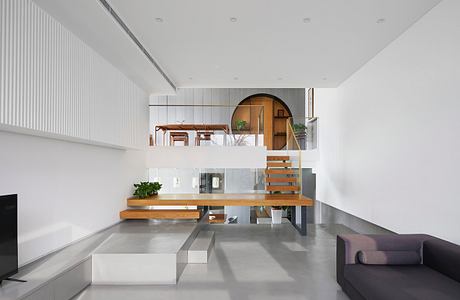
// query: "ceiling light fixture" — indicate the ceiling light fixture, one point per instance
point(306, 20)
point(380, 21)
point(233, 19)
point(235, 78)
point(280, 78)
point(190, 78)
point(324, 78)
point(159, 20)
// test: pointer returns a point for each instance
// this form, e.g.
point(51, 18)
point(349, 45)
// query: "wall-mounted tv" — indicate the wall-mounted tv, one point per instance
point(8, 236)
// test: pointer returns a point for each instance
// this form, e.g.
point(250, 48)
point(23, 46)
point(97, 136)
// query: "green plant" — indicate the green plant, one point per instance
point(299, 127)
point(241, 125)
point(146, 189)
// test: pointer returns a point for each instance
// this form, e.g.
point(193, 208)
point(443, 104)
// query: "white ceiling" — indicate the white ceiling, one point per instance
point(269, 46)
point(96, 27)
point(269, 41)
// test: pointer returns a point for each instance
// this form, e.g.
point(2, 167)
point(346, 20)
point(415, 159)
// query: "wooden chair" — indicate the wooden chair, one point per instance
point(203, 136)
point(178, 136)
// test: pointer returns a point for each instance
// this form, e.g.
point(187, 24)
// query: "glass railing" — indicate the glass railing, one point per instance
point(208, 180)
point(206, 125)
point(305, 131)
point(294, 151)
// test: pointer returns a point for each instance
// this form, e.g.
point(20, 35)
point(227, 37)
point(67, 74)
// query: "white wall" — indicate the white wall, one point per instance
point(389, 141)
point(207, 157)
point(66, 190)
point(52, 84)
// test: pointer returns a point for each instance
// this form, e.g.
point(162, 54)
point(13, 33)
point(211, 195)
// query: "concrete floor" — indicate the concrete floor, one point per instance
point(250, 262)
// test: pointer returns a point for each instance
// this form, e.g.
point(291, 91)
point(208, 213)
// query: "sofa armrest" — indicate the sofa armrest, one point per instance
point(349, 245)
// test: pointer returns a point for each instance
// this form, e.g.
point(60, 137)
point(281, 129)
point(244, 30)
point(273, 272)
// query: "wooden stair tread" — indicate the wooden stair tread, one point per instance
point(277, 157)
point(280, 171)
point(282, 188)
point(279, 164)
point(160, 214)
point(280, 179)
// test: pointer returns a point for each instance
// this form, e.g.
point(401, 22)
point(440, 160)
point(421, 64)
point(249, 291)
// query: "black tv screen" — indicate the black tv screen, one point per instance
point(8, 236)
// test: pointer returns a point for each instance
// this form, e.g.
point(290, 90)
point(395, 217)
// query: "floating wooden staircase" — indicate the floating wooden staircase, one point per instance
point(280, 177)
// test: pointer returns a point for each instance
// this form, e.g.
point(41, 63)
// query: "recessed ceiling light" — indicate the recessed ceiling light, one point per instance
point(159, 20)
point(235, 78)
point(306, 20)
point(233, 19)
point(380, 21)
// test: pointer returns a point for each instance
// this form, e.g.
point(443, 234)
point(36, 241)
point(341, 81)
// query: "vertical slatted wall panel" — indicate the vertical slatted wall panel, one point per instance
point(52, 82)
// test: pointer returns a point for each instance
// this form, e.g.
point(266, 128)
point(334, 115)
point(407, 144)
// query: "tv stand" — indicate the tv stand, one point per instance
point(14, 279)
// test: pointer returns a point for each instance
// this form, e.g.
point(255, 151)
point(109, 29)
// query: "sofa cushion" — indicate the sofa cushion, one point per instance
point(401, 282)
point(442, 256)
point(389, 257)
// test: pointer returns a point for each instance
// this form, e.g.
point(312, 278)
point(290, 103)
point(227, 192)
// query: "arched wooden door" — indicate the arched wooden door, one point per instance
point(275, 115)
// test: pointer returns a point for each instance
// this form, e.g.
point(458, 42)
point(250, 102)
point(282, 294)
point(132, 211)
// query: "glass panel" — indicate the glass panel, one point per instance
point(306, 132)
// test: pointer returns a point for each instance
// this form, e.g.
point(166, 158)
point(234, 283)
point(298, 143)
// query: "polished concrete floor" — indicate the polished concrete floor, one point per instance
point(250, 262)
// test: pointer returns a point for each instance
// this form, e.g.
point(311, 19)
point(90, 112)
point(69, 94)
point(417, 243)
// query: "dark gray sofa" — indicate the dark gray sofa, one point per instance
point(436, 276)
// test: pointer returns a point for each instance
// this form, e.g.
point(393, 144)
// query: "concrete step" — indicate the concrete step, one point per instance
point(135, 258)
point(279, 164)
point(160, 214)
point(199, 251)
point(282, 188)
point(277, 157)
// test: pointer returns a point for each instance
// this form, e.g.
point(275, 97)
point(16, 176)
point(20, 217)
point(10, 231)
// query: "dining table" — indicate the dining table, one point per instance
point(189, 127)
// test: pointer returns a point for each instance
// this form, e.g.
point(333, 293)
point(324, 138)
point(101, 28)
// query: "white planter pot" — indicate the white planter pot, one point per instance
point(276, 216)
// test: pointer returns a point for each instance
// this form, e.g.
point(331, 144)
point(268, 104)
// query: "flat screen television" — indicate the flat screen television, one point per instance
point(8, 236)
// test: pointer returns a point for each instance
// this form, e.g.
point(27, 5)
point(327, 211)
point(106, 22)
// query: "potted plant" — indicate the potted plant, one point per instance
point(300, 132)
point(277, 214)
point(239, 139)
point(241, 125)
point(146, 189)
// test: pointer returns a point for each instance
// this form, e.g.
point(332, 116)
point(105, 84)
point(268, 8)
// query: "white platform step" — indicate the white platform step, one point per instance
point(133, 258)
point(199, 251)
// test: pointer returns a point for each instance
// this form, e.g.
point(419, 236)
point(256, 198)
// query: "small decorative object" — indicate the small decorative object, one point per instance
point(280, 112)
point(311, 103)
point(146, 189)
point(277, 214)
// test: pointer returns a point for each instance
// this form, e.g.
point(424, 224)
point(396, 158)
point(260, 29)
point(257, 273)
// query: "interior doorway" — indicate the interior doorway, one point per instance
point(246, 118)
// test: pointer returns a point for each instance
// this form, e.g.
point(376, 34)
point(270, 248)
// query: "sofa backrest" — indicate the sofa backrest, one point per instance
point(443, 257)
